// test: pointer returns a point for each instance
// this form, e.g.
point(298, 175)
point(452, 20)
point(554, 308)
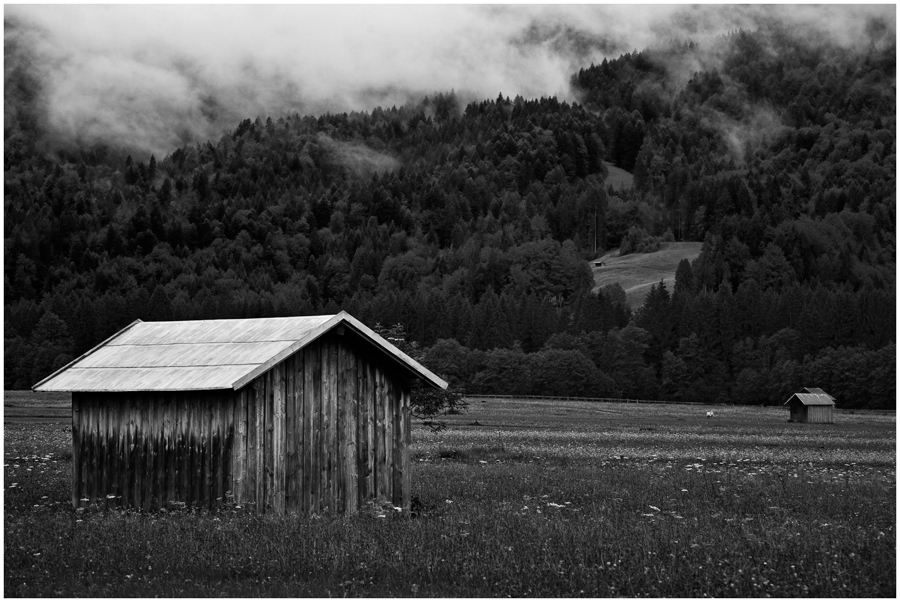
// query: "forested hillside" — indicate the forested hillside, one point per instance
point(471, 226)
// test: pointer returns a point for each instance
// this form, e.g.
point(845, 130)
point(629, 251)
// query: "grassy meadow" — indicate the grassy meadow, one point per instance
point(617, 177)
point(514, 498)
point(637, 272)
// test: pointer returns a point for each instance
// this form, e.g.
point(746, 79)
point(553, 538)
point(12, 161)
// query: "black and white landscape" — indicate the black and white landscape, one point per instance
point(673, 204)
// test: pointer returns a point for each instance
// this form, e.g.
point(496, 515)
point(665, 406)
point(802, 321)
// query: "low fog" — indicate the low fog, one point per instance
point(152, 78)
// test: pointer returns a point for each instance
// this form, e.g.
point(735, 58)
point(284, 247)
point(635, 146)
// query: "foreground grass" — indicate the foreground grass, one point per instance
point(504, 509)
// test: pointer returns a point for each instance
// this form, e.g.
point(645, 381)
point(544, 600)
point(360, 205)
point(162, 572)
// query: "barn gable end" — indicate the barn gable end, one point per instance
point(319, 425)
point(813, 406)
point(340, 431)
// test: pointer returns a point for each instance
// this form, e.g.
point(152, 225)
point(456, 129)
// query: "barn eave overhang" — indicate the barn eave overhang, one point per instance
point(409, 367)
point(39, 386)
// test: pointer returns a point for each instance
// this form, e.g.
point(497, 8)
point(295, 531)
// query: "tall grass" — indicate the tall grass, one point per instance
point(492, 519)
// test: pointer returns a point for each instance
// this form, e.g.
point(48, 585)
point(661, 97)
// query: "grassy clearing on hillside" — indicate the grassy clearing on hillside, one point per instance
point(617, 177)
point(637, 272)
point(536, 499)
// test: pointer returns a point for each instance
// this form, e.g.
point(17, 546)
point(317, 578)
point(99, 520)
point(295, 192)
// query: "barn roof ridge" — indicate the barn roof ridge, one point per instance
point(191, 344)
point(812, 399)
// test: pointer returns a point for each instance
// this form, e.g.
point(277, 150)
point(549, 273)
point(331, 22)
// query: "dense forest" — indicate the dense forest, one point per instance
point(471, 225)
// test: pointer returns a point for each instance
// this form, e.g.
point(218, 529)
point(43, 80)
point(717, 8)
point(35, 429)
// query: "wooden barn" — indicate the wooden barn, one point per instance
point(307, 414)
point(812, 405)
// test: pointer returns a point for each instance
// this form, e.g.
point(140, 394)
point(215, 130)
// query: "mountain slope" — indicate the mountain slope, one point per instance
point(470, 226)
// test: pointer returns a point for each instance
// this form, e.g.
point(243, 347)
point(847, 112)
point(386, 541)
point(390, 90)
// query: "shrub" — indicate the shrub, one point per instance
point(637, 240)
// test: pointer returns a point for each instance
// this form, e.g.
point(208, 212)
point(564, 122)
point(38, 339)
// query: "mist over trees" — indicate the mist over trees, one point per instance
point(471, 227)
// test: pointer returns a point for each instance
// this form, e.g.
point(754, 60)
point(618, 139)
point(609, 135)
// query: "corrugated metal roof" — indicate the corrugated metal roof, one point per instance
point(204, 354)
point(812, 399)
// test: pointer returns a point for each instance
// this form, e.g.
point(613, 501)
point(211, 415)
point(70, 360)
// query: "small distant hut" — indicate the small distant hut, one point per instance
point(598, 264)
point(310, 414)
point(812, 405)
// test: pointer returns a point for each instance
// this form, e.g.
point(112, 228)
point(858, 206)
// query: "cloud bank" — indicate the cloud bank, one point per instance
point(153, 78)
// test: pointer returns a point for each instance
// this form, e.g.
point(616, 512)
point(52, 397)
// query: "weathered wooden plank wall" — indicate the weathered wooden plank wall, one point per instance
point(337, 418)
point(820, 414)
point(325, 430)
point(147, 450)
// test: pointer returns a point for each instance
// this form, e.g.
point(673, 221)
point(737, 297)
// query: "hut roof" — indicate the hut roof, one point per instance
point(811, 399)
point(818, 391)
point(207, 354)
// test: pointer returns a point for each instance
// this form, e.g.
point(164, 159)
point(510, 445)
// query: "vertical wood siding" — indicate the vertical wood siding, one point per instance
point(148, 450)
point(340, 432)
point(812, 414)
point(325, 430)
point(820, 414)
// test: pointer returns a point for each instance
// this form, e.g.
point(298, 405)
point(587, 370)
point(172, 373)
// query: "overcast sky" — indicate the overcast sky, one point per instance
point(160, 76)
